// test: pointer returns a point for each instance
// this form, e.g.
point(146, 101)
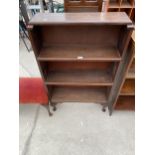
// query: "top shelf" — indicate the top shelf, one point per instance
point(118, 18)
point(79, 53)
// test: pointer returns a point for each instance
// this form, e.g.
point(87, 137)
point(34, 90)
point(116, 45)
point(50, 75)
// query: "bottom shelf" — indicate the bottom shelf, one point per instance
point(125, 103)
point(79, 94)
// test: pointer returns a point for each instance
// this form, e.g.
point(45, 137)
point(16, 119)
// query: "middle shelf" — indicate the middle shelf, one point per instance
point(78, 77)
point(79, 53)
point(79, 73)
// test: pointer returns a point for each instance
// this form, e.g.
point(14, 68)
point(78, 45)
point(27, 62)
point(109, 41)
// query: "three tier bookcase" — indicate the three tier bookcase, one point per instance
point(81, 56)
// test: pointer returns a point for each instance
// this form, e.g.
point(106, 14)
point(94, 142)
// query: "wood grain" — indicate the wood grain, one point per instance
point(79, 94)
point(80, 18)
point(79, 53)
point(79, 77)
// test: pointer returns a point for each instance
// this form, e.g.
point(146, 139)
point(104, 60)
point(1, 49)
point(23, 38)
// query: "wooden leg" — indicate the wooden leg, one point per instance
point(54, 106)
point(47, 106)
point(103, 109)
point(110, 111)
point(49, 110)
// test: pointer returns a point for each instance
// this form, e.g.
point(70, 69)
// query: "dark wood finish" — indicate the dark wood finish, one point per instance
point(81, 56)
point(79, 53)
point(83, 5)
point(126, 99)
point(112, 18)
point(79, 94)
point(127, 54)
point(79, 77)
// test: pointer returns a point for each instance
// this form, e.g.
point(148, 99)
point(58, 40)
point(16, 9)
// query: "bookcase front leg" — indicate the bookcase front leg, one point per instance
point(54, 106)
point(104, 108)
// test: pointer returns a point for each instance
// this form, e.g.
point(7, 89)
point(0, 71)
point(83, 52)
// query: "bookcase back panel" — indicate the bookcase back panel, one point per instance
point(105, 35)
point(78, 73)
point(80, 65)
point(79, 94)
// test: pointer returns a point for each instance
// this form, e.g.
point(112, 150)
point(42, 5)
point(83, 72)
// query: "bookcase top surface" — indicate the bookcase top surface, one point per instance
point(116, 18)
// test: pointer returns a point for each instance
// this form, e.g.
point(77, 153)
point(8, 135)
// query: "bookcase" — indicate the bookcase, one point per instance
point(127, 6)
point(81, 55)
point(126, 98)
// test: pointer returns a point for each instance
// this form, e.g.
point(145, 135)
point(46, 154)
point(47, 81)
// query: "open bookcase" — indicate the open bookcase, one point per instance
point(80, 54)
point(126, 98)
point(127, 6)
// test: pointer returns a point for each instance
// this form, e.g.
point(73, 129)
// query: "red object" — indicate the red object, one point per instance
point(32, 90)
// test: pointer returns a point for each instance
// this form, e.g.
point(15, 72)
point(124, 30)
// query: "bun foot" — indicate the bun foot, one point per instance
point(104, 110)
point(54, 108)
point(50, 114)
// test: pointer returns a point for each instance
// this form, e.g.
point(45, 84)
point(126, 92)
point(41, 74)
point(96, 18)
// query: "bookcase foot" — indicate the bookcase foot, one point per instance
point(103, 109)
point(110, 112)
point(49, 109)
point(54, 108)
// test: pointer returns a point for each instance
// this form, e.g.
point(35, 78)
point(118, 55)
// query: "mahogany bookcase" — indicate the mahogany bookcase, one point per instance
point(81, 56)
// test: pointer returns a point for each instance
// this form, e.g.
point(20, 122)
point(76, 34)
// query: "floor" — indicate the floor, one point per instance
point(75, 128)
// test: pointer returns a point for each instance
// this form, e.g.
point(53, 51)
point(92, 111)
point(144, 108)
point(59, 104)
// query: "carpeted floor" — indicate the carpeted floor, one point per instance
point(32, 90)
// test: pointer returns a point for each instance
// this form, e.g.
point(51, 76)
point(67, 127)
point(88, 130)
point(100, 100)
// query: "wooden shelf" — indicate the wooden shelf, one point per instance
point(79, 53)
point(125, 103)
point(79, 18)
point(114, 5)
point(79, 77)
point(79, 94)
point(128, 88)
